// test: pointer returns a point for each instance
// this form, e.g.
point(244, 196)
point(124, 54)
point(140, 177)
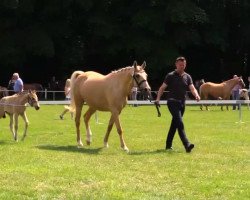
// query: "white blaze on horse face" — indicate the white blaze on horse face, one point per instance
point(145, 84)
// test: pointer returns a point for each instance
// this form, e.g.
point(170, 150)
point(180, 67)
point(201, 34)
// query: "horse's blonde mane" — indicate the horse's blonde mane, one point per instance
point(126, 69)
point(121, 69)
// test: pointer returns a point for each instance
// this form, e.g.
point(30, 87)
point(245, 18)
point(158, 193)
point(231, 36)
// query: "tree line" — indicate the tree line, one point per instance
point(41, 39)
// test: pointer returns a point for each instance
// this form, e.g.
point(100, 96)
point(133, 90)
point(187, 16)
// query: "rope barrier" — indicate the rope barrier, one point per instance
point(163, 102)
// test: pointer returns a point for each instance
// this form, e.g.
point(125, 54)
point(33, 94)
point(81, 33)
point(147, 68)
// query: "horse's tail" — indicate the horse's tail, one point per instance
point(201, 91)
point(72, 90)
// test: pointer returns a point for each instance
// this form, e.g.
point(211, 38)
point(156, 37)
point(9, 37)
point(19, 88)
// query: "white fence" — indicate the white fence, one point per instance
point(188, 102)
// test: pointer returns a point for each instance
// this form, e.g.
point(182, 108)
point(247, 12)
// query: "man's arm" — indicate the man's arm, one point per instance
point(194, 92)
point(160, 92)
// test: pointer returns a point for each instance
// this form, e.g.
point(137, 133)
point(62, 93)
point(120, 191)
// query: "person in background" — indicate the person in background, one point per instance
point(236, 92)
point(177, 83)
point(133, 96)
point(248, 78)
point(67, 97)
point(11, 85)
point(18, 86)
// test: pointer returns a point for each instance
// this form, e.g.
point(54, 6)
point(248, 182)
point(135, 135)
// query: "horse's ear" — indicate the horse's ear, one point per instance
point(135, 64)
point(143, 65)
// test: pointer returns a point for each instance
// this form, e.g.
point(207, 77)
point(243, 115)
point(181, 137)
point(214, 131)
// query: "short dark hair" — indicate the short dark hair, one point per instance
point(180, 58)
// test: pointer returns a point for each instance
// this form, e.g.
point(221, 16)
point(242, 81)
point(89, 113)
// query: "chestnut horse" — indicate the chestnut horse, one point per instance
point(105, 93)
point(14, 106)
point(34, 86)
point(218, 90)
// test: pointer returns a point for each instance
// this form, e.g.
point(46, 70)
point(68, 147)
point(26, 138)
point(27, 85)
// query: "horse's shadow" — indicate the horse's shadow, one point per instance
point(69, 148)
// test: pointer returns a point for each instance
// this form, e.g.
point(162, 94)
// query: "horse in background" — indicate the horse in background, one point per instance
point(105, 93)
point(218, 90)
point(3, 92)
point(244, 95)
point(14, 106)
point(34, 86)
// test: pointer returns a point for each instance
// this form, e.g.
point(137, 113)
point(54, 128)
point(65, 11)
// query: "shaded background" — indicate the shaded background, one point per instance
point(41, 39)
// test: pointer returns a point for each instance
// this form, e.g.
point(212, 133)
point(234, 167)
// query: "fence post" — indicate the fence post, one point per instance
point(45, 94)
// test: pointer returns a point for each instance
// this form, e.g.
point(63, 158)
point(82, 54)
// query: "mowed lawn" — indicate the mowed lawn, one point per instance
point(48, 165)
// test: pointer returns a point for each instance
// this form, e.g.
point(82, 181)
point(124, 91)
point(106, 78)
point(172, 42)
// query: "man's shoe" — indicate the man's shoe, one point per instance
point(169, 148)
point(189, 148)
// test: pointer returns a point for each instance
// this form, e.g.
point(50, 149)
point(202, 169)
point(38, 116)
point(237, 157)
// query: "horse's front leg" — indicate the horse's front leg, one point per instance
point(12, 126)
point(120, 132)
point(77, 123)
point(222, 108)
point(87, 116)
point(110, 126)
point(26, 121)
point(16, 126)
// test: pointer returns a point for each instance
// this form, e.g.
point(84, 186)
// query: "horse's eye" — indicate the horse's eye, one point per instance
point(137, 76)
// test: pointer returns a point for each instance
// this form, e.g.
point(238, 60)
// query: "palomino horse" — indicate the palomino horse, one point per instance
point(244, 95)
point(14, 106)
point(105, 93)
point(218, 90)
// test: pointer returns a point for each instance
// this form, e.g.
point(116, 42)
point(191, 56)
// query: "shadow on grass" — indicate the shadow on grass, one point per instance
point(8, 142)
point(3, 142)
point(69, 149)
point(158, 151)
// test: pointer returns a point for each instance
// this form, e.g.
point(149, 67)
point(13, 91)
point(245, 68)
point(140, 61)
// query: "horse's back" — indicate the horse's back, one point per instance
point(12, 104)
point(215, 90)
point(33, 86)
point(91, 88)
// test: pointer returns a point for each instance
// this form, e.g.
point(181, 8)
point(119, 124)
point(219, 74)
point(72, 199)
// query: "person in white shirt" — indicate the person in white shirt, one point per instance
point(67, 97)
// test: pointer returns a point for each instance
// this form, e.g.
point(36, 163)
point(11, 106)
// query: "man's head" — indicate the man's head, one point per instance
point(180, 64)
point(15, 76)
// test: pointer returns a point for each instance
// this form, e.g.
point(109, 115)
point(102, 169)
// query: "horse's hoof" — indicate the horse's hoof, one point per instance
point(126, 149)
point(79, 144)
point(88, 142)
point(106, 145)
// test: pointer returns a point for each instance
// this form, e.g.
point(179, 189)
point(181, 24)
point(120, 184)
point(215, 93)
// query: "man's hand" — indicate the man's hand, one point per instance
point(197, 97)
point(157, 103)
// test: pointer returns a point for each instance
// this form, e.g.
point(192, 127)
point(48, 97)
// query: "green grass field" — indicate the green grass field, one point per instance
point(48, 165)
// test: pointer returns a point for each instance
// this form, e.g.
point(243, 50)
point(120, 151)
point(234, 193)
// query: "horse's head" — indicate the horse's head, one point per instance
point(140, 78)
point(244, 94)
point(33, 99)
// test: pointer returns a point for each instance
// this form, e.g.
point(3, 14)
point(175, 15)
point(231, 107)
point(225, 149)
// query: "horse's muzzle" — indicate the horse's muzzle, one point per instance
point(37, 107)
point(147, 91)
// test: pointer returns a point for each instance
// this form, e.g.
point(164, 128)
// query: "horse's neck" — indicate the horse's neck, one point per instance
point(23, 99)
point(126, 79)
point(231, 83)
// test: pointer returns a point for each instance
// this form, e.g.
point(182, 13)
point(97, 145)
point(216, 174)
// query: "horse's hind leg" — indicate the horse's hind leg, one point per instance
point(110, 126)
point(87, 116)
point(26, 121)
point(77, 123)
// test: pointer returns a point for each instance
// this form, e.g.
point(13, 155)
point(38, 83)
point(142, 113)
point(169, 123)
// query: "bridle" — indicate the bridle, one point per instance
point(31, 100)
point(139, 83)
